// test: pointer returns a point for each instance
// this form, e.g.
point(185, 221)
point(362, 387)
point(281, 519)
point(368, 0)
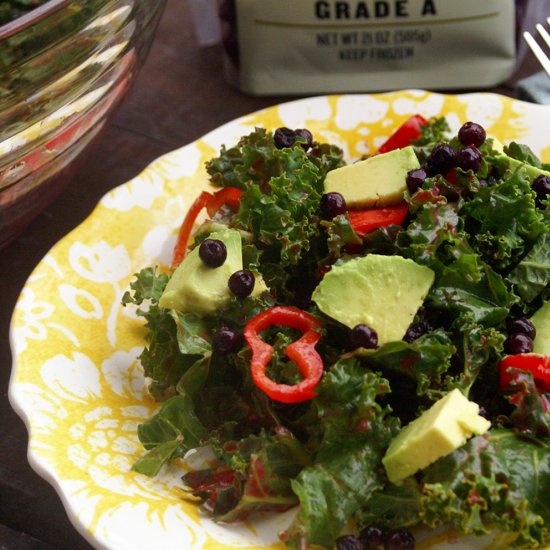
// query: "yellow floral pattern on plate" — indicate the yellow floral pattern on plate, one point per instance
point(77, 381)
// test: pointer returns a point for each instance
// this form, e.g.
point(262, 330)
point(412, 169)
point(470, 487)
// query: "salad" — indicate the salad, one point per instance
point(365, 342)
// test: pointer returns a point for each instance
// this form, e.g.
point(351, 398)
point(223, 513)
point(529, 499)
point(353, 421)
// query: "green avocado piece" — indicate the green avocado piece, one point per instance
point(382, 292)
point(377, 181)
point(435, 433)
point(196, 288)
point(541, 320)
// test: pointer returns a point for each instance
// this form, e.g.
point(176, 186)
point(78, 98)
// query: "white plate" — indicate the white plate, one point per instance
point(75, 379)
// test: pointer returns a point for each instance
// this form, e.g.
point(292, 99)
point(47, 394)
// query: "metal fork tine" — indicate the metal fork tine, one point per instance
point(537, 50)
point(544, 33)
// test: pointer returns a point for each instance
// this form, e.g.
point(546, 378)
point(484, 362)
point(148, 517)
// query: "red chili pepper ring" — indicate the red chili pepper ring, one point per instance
point(302, 352)
point(212, 202)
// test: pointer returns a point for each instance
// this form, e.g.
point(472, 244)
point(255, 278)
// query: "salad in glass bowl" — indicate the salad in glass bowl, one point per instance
point(368, 342)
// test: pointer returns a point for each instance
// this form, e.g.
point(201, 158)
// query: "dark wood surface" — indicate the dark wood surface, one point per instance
point(179, 96)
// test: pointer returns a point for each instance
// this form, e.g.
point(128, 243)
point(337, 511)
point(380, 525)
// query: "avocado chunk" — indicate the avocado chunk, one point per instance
point(541, 321)
point(196, 288)
point(437, 432)
point(382, 292)
point(377, 181)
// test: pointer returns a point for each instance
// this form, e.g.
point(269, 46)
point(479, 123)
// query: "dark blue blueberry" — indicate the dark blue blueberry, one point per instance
point(213, 252)
point(415, 179)
point(416, 330)
point(306, 136)
point(399, 539)
point(484, 411)
point(349, 542)
point(469, 158)
point(518, 343)
point(226, 340)
point(372, 537)
point(241, 283)
point(362, 336)
point(541, 186)
point(472, 133)
point(521, 325)
point(332, 204)
point(441, 159)
point(284, 137)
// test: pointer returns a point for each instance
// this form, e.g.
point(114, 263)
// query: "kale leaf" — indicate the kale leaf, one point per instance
point(522, 152)
point(479, 351)
point(356, 432)
point(161, 358)
point(469, 288)
point(504, 221)
point(531, 414)
point(532, 274)
point(170, 433)
point(494, 480)
point(425, 360)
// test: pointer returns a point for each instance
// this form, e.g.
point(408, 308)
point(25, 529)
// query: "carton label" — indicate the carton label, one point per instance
point(308, 46)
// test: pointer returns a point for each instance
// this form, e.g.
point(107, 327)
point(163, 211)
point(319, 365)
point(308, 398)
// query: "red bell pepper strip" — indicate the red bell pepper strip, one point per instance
point(302, 352)
point(408, 132)
point(228, 195)
point(365, 221)
point(186, 227)
point(538, 365)
point(212, 202)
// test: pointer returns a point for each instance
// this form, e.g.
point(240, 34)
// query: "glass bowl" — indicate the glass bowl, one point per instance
point(64, 67)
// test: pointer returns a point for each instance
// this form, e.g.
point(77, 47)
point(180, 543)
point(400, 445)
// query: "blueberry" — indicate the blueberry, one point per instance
point(284, 137)
point(306, 136)
point(226, 340)
point(332, 204)
point(399, 539)
point(241, 283)
point(213, 252)
point(469, 158)
point(472, 133)
point(440, 160)
point(484, 411)
point(415, 179)
point(349, 542)
point(521, 325)
point(372, 537)
point(362, 336)
point(541, 186)
point(518, 343)
point(416, 330)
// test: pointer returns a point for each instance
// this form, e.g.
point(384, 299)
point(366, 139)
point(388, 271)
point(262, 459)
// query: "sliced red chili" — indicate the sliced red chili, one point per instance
point(408, 132)
point(187, 226)
point(302, 352)
point(538, 365)
point(365, 221)
point(228, 195)
point(212, 202)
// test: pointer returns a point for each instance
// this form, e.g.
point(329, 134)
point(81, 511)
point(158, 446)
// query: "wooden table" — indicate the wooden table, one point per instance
point(176, 99)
